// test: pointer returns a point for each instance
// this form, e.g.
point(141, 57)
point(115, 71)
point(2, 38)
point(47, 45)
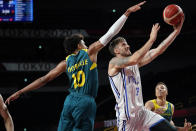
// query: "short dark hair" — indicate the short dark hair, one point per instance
point(114, 43)
point(71, 43)
point(161, 83)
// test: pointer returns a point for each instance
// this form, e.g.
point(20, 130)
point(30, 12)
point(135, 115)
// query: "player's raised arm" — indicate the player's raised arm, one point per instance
point(153, 53)
point(60, 68)
point(114, 29)
point(134, 59)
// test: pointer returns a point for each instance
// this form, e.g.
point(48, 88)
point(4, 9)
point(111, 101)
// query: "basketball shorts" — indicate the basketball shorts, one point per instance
point(78, 113)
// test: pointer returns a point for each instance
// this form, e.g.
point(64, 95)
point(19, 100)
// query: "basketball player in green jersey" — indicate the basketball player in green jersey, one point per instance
point(80, 66)
point(160, 105)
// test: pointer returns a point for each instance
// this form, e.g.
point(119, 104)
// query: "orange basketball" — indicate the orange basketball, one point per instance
point(172, 14)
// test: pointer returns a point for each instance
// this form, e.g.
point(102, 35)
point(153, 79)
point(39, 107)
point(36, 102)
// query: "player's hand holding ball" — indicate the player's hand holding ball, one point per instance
point(174, 15)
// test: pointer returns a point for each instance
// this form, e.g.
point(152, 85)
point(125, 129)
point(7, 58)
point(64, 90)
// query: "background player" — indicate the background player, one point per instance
point(160, 105)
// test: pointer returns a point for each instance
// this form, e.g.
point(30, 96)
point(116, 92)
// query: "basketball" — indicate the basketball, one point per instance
point(172, 14)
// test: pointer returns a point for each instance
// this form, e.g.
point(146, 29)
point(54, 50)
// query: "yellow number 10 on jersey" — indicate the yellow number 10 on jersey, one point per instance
point(77, 77)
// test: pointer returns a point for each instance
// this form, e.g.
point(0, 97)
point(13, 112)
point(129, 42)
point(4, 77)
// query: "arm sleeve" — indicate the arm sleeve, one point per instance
point(114, 29)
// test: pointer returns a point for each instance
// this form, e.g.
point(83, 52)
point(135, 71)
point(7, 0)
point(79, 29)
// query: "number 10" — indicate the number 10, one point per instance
point(77, 81)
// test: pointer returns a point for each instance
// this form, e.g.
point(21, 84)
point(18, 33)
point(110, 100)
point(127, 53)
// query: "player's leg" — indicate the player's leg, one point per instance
point(66, 120)
point(163, 125)
point(84, 113)
point(123, 125)
point(155, 122)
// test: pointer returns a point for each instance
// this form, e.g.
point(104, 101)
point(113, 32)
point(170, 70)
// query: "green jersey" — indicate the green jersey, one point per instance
point(167, 111)
point(82, 73)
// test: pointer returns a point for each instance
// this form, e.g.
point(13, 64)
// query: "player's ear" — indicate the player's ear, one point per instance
point(116, 50)
point(79, 46)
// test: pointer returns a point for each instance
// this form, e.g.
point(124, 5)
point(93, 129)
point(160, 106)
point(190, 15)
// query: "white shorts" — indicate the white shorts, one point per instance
point(142, 121)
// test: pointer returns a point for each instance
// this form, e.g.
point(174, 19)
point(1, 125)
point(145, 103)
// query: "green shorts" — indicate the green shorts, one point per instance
point(78, 113)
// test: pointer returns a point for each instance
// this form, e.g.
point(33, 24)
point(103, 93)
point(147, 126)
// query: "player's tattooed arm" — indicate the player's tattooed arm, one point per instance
point(120, 62)
point(153, 53)
point(133, 59)
point(148, 57)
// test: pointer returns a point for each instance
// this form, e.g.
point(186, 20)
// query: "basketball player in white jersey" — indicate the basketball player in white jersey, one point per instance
point(125, 82)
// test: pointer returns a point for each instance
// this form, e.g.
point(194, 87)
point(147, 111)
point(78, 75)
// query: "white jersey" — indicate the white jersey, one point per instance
point(126, 86)
point(130, 111)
